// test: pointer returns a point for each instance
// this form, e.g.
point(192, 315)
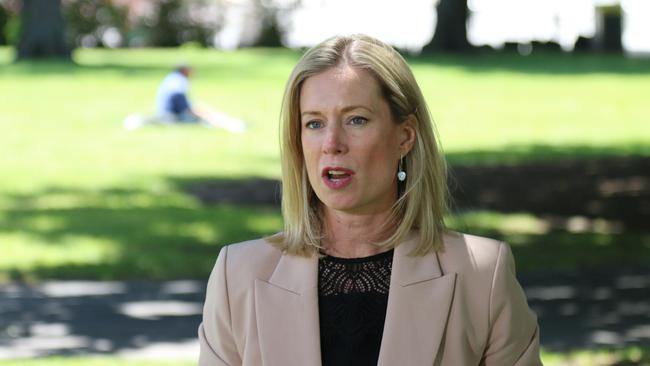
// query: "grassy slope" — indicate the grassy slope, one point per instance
point(81, 197)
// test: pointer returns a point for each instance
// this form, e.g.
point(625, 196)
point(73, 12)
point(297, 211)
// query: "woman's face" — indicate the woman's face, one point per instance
point(350, 141)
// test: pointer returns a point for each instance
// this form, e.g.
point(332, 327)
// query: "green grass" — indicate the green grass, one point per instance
point(602, 357)
point(80, 197)
point(91, 361)
point(620, 357)
point(538, 245)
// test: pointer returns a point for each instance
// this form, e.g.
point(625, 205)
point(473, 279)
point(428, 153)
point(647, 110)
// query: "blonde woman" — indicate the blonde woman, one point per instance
point(365, 272)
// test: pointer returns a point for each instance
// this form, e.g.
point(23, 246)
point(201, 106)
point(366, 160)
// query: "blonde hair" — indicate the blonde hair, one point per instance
point(423, 200)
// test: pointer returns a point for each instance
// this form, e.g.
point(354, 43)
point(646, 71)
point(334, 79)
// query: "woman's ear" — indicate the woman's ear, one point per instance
point(407, 134)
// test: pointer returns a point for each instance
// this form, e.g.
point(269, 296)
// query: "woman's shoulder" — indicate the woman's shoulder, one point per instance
point(254, 249)
point(250, 259)
point(240, 264)
point(463, 253)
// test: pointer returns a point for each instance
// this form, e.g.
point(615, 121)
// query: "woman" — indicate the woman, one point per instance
point(364, 272)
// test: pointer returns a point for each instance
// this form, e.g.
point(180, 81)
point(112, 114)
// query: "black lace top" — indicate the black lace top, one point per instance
point(352, 299)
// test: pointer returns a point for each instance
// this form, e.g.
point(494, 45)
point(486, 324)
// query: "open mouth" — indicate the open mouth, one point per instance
point(337, 177)
point(337, 174)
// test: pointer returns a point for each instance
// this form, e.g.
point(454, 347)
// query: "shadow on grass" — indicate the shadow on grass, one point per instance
point(141, 234)
point(588, 288)
point(577, 189)
point(590, 309)
point(517, 155)
point(610, 188)
point(54, 67)
point(543, 63)
point(479, 61)
point(595, 212)
point(113, 318)
point(245, 65)
point(561, 250)
point(236, 191)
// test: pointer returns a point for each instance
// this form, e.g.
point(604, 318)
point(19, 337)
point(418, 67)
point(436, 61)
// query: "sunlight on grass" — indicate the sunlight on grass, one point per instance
point(24, 252)
point(515, 223)
point(536, 241)
point(126, 233)
point(620, 357)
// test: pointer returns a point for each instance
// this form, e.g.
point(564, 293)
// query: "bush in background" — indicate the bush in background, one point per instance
point(160, 23)
point(9, 22)
point(175, 22)
point(95, 23)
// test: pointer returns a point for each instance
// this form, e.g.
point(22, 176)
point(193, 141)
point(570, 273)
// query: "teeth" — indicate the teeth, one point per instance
point(335, 172)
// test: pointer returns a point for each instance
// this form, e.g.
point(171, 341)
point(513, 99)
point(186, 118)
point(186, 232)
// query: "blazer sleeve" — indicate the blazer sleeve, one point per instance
point(217, 343)
point(514, 333)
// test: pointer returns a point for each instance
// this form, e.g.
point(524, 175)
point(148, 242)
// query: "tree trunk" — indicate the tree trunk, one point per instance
point(4, 19)
point(451, 27)
point(42, 29)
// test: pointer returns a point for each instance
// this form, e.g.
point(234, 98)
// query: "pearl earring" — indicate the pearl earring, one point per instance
point(401, 174)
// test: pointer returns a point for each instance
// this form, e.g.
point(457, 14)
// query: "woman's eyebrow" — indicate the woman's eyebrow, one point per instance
point(346, 109)
point(315, 113)
point(352, 107)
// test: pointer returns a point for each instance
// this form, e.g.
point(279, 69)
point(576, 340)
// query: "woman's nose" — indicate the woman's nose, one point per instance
point(334, 142)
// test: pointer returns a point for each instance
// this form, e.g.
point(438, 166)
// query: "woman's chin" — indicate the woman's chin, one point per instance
point(338, 204)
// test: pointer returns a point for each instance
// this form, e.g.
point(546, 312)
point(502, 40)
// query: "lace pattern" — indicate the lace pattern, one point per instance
point(355, 275)
point(353, 295)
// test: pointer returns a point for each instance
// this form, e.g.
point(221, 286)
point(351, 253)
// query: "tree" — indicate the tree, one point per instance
point(270, 33)
point(451, 28)
point(42, 31)
point(4, 19)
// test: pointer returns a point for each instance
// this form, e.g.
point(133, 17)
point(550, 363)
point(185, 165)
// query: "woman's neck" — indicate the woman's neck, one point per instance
point(352, 236)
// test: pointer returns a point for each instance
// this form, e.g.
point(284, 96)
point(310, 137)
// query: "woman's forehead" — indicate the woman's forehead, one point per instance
point(342, 86)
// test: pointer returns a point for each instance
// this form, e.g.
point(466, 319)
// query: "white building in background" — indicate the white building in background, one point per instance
point(636, 26)
point(410, 24)
point(495, 22)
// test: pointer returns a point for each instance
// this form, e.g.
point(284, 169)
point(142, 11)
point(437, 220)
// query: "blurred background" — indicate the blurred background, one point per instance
point(108, 235)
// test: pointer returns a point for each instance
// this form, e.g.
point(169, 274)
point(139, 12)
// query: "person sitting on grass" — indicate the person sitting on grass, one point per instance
point(172, 103)
point(173, 106)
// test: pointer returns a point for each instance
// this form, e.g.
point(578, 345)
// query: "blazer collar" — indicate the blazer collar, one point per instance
point(286, 307)
point(419, 302)
point(418, 306)
point(408, 269)
point(296, 274)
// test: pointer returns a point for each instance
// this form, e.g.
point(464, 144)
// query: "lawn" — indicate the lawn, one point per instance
point(621, 357)
point(80, 197)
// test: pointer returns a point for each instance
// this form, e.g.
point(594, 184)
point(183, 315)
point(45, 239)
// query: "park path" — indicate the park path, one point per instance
point(158, 320)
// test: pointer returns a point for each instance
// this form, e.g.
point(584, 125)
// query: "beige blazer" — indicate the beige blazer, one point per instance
point(459, 307)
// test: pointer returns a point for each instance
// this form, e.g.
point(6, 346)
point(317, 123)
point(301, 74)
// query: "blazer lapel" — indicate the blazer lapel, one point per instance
point(287, 313)
point(419, 301)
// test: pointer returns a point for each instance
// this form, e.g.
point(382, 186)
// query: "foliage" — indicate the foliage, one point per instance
point(270, 34)
point(9, 22)
point(104, 23)
point(4, 19)
point(95, 23)
point(175, 22)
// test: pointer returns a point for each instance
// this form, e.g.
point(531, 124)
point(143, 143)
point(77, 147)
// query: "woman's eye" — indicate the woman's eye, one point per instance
point(358, 120)
point(314, 124)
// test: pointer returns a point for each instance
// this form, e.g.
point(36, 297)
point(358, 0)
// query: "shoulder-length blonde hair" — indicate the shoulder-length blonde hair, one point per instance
point(422, 202)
